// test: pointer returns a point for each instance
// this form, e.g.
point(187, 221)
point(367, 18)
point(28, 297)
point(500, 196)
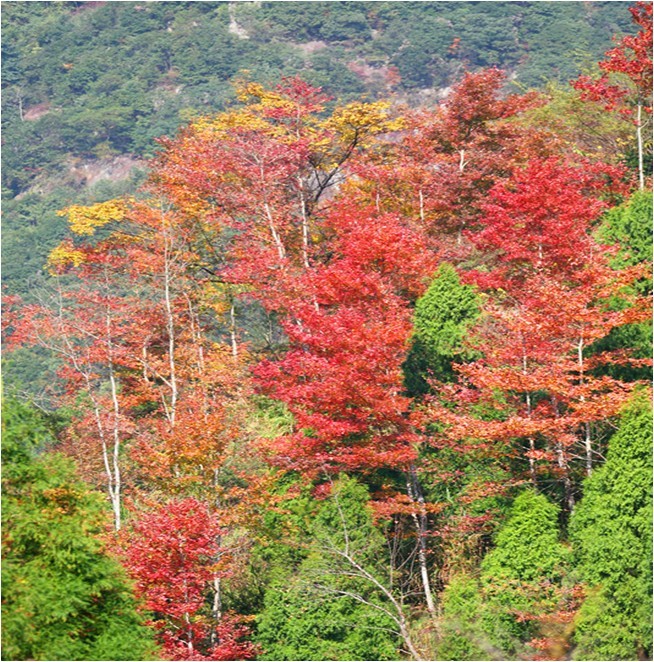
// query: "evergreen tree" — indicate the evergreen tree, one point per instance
point(463, 638)
point(630, 227)
point(612, 533)
point(442, 317)
point(522, 576)
point(63, 597)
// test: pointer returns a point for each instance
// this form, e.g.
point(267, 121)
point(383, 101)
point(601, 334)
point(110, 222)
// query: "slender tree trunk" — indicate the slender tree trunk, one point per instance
point(116, 451)
point(114, 498)
point(116, 421)
point(420, 522)
point(216, 609)
point(589, 448)
point(562, 462)
point(232, 329)
point(567, 482)
point(170, 323)
point(305, 225)
point(588, 444)
point(532, 443)
point(639, 137)
point(281, 251)
point(532, 463)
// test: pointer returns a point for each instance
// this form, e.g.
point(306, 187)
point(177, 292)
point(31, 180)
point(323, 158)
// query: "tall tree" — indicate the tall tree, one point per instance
point(441, 319)
point(626, 82)
point(549, 286)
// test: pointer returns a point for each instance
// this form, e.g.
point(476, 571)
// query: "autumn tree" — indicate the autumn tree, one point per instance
point(448, 158)
point(173, 554)
point(549, 286)
point(255, 176)
point(625, 85)
point(130, 321)
point(87, 329)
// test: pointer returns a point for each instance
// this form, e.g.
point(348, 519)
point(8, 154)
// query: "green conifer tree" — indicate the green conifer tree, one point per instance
point(521, 577)
point(442, 316)
point(630, 227)
point(611, 530)
point(63, 597)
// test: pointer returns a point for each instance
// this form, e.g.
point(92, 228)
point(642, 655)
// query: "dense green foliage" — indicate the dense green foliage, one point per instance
point(627, 226)
point(463, 637)
point(611, 530)
point(73, 59)
point(441, 318)
point(63, 597)
point(519, 576)
point(314, 607)
point(630, 227)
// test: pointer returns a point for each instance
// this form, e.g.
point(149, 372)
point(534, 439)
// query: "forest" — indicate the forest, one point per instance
point(333, 377)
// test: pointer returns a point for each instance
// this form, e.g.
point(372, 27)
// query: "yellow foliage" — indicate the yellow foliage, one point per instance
point(364, 118)
point(219, 126)
point(85, 220)
point(64, 255)
point(247, 92)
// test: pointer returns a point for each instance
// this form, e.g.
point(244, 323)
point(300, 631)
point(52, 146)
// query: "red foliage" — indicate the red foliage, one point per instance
point(174, 554)
point(549, 286)
point(632, 57)
point(442, 169)
point(349, 334)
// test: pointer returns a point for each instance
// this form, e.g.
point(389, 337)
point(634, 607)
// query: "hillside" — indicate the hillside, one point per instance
point(88, 86)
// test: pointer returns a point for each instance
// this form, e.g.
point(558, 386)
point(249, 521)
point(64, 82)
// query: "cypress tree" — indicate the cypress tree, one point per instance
point(630, 227)
point(442, 316)
point(521, 577)
point(611, 530)
point(63, 597)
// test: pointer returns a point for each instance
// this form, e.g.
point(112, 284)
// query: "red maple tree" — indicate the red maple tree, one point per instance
point(174, 555)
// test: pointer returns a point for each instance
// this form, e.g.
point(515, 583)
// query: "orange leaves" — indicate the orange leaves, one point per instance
point(385, 506)
point(549, 292)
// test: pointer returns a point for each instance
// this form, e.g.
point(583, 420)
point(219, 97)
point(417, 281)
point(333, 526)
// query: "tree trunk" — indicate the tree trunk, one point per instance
point(170, 324)
point(420, 521)
point(588, 444)
point(639, 136)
